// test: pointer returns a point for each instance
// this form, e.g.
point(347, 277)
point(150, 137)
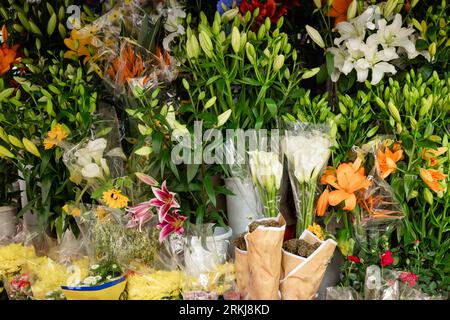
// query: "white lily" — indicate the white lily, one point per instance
point(91, 171)
point(307, 155)
point(357, 27)
point(173, 26)
point(394, 36)
point(96, 148)
point(377, 62)
point(266, 169)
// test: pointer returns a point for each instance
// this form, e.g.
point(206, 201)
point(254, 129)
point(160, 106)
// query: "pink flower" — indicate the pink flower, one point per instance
point(409, 277)
point(139, 215)
point(173, 222)
point(165, 200)
point(386, 259)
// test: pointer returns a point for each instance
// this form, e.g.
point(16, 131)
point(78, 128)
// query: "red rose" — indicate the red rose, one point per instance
point(354, 259)
point(386, 259)
point(409, 277)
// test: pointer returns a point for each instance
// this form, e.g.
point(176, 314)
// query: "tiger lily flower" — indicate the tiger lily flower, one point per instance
point(126, 66)
point(173, 222)
point(8, 55)
point(387, 161)
point(322, 203)
point(347, 179)
point(430, 155)
point(433, 178)
point(78, 45)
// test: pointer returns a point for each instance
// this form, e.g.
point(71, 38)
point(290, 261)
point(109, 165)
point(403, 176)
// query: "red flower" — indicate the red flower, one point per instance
point(173, 222)
point(386, 259)
point(354, 259)
point(267, 9)
point(409, 277)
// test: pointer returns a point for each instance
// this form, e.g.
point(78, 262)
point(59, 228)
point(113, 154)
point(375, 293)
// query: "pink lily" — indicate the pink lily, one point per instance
point(165, 200)
point(172, 223)
point(139, 215)
point(147, 179)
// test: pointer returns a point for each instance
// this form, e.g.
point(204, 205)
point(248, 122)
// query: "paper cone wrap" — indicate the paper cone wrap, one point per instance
point(242, 271)
point(301, 277)
point(264, 261)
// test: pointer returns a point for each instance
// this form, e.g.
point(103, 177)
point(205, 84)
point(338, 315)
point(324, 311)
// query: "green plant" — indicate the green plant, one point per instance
point(8, 196)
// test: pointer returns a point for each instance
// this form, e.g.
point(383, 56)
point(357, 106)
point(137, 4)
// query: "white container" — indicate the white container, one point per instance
point(198, 260)
point(242, 207)
point(8, 221)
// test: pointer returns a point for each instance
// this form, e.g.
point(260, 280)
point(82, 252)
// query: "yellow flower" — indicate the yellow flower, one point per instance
point(101, 213)
point(75, 212)
point(13, 257)
point(65, 208)
point(115, 199)
point(154, 285)
point(317, 230)
point(55, 136)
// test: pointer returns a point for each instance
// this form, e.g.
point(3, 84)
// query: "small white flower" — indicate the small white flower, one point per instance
point(114, 266)
point(90, 281)
point(95, 266)
point(266, 169)
point(96, 148)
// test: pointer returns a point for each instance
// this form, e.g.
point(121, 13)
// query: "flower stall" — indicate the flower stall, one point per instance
point(225, 150)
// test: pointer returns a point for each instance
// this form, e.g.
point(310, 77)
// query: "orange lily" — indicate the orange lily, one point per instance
point(432, 178)
point(8, 55)
point(322, 203)
point(126, 66)
point(347, 179)
point(386, 161)
point(430, 155)
point(338, 10)
point(78, 45)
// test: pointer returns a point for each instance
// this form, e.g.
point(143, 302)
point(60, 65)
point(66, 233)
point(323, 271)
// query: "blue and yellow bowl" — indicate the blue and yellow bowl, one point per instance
point(111, 290)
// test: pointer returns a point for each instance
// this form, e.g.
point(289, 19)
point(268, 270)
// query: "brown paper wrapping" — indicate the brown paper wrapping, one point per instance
point(264, 260)
point(302, 276)
point(242, 271)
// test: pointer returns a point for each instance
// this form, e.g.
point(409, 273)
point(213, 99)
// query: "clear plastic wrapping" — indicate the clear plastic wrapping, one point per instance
point(307, 149)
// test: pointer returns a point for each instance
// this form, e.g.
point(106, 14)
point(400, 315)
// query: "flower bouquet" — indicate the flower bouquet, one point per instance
point(303, 266)
point(258, 259)
point(307, 149)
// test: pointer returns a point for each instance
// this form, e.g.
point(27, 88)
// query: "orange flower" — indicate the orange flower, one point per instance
point(430, 155)
point(348, 179)
point(338, 10)
point(322, 203)
point(8, 55)
point(78, 44)
point(386, 162)
point(126, 66)
point(432, 178)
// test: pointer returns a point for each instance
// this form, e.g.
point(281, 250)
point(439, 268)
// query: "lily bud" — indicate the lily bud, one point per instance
point(428, 196)
point(31, 147)
point(230, 14)
point(352, 8)
point(318, 3)
point(235, 40)
point(394, 112)
point(432, 49)
point(278, 63)
point(243, 41)
point(267, 23)
point(206, 44)
point(251, 53)
point(315, 36)
point(261, 32)
point(195, 46)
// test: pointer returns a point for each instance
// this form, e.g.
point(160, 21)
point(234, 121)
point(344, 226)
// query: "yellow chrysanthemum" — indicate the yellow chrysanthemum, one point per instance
point(55, 136)
point(154, 285)
point(65, 208)
point(115, 199)
point(13, 257)
point(317, 230)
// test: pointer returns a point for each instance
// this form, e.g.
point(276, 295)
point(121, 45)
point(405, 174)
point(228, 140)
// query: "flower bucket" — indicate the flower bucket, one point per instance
point(199, 260)
point(241, 207)
point(7, 221)
point(111, 290)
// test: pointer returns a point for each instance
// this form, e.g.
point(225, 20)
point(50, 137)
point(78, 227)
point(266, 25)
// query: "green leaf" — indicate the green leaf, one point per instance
point(272, 106)
point(192, 170)
point(46, 185)
point(330, 63)
point(6, 93)
point(144, 151)
point(210, 190)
